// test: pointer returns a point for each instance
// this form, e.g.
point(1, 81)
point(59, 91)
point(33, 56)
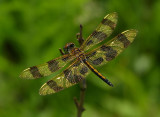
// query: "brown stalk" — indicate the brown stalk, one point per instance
point(79, 105)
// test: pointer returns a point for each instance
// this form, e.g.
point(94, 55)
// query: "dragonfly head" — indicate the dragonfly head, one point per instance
point(68, 47)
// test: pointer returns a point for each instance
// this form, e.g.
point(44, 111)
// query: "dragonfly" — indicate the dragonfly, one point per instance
point(83, 60)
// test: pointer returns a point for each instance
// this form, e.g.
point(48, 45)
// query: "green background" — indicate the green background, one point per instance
point(32, 31)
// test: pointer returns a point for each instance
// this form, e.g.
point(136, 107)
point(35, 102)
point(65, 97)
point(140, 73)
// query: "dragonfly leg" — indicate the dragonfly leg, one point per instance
point(62, 53)
point(79, 36)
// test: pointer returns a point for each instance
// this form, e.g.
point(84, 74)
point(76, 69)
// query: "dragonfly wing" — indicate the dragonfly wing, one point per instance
point(103, 31)
point(46, 68)
point(113, 48)
point(76, 72)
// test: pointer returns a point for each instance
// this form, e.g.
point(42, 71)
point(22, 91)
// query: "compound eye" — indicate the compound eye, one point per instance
point(72, 45)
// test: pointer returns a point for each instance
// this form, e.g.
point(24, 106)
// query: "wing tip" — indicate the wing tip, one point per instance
point(41, 90)
point(133, 31)
point(113, 14)
point(45, 90)
point(23, 75)
point(130, 34)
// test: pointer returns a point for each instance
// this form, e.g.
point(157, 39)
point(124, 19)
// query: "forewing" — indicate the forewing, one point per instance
point(69, 77)
point(46, 68)
point(113, 48)
point(103, 31)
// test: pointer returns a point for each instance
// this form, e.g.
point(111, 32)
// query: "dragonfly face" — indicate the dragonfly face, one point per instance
point(68, 47)
point(81, 61)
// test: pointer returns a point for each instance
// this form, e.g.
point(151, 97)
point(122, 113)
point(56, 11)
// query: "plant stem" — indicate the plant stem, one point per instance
point(79, 104)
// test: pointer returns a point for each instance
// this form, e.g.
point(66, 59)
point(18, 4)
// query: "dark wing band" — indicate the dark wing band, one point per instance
point(76, 72)
point(113, 48)
point(46, 68)
point(103, 31)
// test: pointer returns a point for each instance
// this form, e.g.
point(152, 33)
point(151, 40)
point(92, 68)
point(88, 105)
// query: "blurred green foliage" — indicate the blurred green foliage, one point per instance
point(31, 31)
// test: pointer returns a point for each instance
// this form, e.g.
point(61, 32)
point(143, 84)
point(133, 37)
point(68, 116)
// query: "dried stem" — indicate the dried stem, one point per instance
point(79, 104)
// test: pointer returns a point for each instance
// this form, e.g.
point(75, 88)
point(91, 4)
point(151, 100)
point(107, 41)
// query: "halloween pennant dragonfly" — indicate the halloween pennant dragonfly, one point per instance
point(82, 62)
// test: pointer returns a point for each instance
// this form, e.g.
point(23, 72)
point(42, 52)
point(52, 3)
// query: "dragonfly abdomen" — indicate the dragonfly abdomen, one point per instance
point(97, 73)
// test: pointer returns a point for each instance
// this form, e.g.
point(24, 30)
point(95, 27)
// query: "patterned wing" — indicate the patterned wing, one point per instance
point(46, 68)
point(76, 72)
point(103, 31)
point(113, 48)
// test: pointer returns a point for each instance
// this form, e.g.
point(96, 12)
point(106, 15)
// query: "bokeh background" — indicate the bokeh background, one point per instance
point(32, 31)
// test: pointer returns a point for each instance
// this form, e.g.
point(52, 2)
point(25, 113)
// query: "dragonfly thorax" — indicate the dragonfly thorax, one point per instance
point(74, 51)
